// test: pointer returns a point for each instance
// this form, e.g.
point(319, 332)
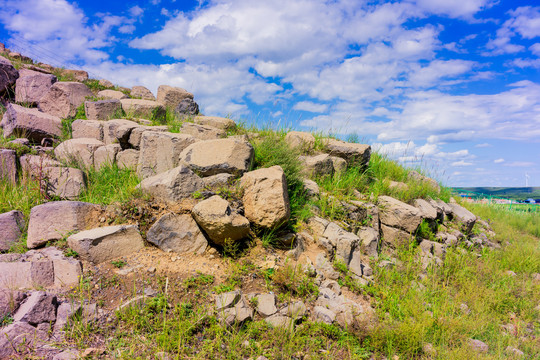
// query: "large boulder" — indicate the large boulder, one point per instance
point(128, 159)
point(179, 233)
point(302, 140)
point(33, 165)
point(265, 198)
point(80, 151)
point(106, 243)
point(103, 109)
point(173, 185)
point(8, 166)
point(106, 155)
point(8, 74)
point(32, 85)
point(187, 107)
point(147, 109)
point(211, 157)
point(318, 165)
point(118, 131)
point(64, 182)
point(427, 211)
point(466, 218)
point(170, 96)
point(64, 98)
point(38, 308)
point(399, 214)
point(87, 129)
point(20, 335)
point(142, 93)
point(219, 221)
point(11, 228)
point(112, 94)
point(352, 152)
point(215, 121)
point(10, 300)
point(57, 219)
point(34, 124)
point(135, 136)
point(160, 151)
point(202, 132)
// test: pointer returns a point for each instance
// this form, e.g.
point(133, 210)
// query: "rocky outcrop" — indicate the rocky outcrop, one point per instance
point(87, 129)
point(319, 165)
point(187, 107)
point(179, 233)
point(302, 140)
point(173, 185)
point(352, 152)
point(142, 93)
point(399, 215)
point(34, 124)
point(212, 157)
point(112, 94)
point(106, 243)
point(103, 109)
point(80, 151)
point(265, 198)
point(64, 182)
point(215, 121)
point(32, 85)
point(64, 98)
point(11, 228)
point(466, 218)
point(8, 75)
point(170, 97)
point(219, 221)
point(143, 108)
point(202, 132)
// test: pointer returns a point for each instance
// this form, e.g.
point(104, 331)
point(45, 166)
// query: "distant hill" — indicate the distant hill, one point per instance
point(514, 193)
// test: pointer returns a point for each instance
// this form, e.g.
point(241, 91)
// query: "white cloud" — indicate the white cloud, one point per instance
point(521, 164)
point(461, 163)
point(498, 161)
point(483, 145)
point(310, 106)
point(463, 9)
point(535, 49)
point(136, 11)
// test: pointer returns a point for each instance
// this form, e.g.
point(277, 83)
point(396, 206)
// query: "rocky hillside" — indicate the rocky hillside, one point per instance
point(116, 199)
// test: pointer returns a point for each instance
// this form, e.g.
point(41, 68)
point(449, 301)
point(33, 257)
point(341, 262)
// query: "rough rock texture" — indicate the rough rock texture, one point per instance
point(212, 157)
point(8, 74)
point(64, 182)
point(106, 155)
point(215, 121)
point(80, 150)
point(369, 241)
point(203, 132)
point(421, 178)
point(170, 96)
point(179, 233)
point(318, 165)
point(340, 164)
point(219, 221)
point(32, 85)
point(398, 214)
point(19, 335)
point(265, 198)
point(33, 165)
point(187, 107)
point(143, 108)
point(64, 98)
point(299, 139)
point(352, 152)
point(311, 187)
point(54, 220)
point(427, 211)
point(87, 129)
point(128, 159)
point(394, 236)
point(118, 131)
point(77, 75)
point(135, 137)
point(160, 151)
point(102, 109)
point(142, 92)
point(8, 166)
point(112, 94)
point(217, 180)
point(34, 124)
point(38, 308)
point(106, 83)
point(266, 304)
point(106, 243)
point(173, 185)
point(11, 227)
point(10, 300)
point(464, 216)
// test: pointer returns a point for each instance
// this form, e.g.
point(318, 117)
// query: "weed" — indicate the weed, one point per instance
point(198, 280)
point(71, 253)
point(295, 281)
point(119, 263)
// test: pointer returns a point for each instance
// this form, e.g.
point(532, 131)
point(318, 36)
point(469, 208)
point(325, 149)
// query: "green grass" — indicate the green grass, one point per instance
point(507, 223)
point(110, 184)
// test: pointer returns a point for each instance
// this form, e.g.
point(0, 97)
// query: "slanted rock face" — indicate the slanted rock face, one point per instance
point(265, 198)
point(318, 165)
point(112, 94)
point(32, 85)
point(299, 139)
point(11, 227)
point(173, 185)
point(102, 109)
point(34, 124)
point(212, 157)
point(87, 129)
point(106, 243)
point(202, 132)
point(353, 153)
point(135, 136)
point(8, 74)
point(118, 130)
point(464, 216)
point(215, 121)
point(179, 233)
point(8, 165)
point(398, 214)
point(39, 307)
point(142, 92)
point(427, 211)
point(79, 150)
point(54, 220)
point(143, 108)
point(64, 182)
point(160, 151)
point(64, 98)
point(219, 221)
point(170, 96)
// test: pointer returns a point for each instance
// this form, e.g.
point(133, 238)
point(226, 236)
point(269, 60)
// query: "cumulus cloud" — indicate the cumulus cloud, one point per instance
point(498, 161)
point(310, 106)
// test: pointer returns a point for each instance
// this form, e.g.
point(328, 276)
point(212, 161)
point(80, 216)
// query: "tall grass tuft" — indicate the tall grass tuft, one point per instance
point(110, 184)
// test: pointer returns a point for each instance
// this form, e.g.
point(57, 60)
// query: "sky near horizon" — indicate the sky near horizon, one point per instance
point(451, 85)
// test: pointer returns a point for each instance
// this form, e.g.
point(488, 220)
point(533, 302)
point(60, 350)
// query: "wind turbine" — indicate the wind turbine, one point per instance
point(527, 177)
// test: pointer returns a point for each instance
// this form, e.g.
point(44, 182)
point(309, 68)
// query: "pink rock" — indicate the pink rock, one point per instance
point(32, 85)
point(8, 166)
point(64, 98)
point(38, 308)
point(32, 123)
point(11, 227)
point(8, 74)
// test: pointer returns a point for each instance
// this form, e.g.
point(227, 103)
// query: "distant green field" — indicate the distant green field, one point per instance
point(513, 193)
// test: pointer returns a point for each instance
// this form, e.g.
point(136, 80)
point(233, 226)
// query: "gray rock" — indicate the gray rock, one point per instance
point(369, 241)
point(18, 334)
point(34, 124)
point(466, 218)
point(55, 220)
point(398, 214)
point(38, 308)
point(340, 164)
point(325, 267)
point(395, 237)
point(64, 182)
point(64, 98)
point(135, 136)
point(128, 159)
point(280, 321)
point(215, 121)
point(318, 165)
point(187, 107)
point(106, 243)
point(478, 346)
point(102, 109)
point(427, 211)
point(324, 315)
point(170, 97)
point(219, 222)
point(10, 300)
point(218, 180)
point(311, 188)
point(106, 155)
point(112, 94)
point(295, 310)
point(147, 109)
point(80, 151)
point(142, 92)
point(118, 131)
point(352, 152)
point(8, 74)
point(8, 166)
point(202, 132)
point(302, 140)
point(227, 300)
point(173, 185)
point(87, 129)
point(179, 233)
point(67, 355)
point(266, 304)
point(32, 85)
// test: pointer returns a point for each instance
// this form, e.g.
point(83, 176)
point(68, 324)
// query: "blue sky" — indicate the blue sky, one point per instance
point(454, 85)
